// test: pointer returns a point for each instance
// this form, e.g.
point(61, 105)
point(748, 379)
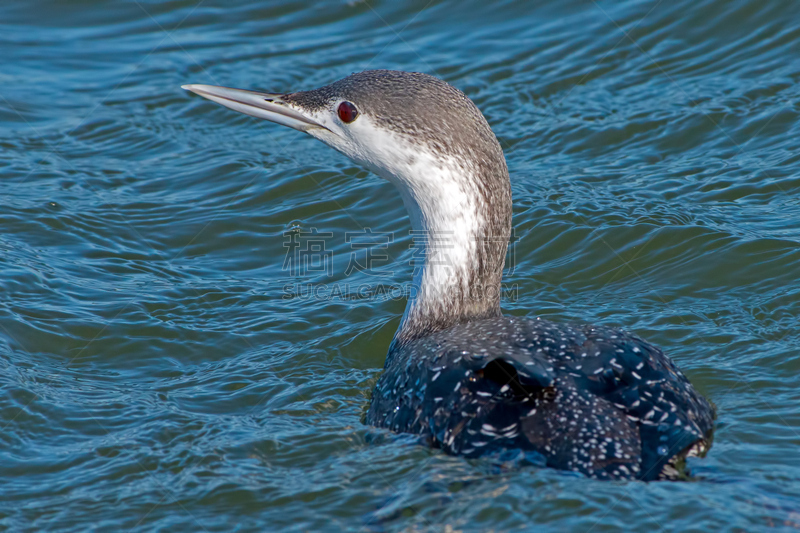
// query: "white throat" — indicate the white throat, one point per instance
point(448, 219)
point(446, 225)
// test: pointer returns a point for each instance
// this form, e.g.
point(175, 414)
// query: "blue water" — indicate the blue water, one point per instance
point(163, 364)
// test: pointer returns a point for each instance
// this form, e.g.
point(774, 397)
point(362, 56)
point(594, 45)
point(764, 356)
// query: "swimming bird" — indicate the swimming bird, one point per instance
point(595, 400)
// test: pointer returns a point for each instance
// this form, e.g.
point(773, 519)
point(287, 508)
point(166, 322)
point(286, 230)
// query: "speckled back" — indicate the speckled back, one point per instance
point(594, 400)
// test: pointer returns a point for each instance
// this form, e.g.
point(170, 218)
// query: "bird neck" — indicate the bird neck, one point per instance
point(460, 227)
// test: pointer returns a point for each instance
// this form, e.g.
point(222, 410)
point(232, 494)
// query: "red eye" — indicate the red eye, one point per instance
point(347, 112)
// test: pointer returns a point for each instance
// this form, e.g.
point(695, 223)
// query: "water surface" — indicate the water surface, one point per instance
point(164, 366)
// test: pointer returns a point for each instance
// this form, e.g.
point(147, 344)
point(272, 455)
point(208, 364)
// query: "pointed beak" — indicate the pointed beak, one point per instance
point(268, 106)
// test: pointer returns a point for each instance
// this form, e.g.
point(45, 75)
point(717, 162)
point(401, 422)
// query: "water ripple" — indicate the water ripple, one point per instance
point(161, 368)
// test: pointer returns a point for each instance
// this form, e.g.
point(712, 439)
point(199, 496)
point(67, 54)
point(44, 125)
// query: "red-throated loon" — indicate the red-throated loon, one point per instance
point(589, 399)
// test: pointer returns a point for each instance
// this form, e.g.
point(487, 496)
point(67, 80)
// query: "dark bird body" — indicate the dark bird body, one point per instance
point(589, 399)
point(470, 381)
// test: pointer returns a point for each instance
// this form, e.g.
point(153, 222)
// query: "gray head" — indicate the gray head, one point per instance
point(430, 140)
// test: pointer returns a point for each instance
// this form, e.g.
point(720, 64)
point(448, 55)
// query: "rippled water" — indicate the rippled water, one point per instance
point(158, 373)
